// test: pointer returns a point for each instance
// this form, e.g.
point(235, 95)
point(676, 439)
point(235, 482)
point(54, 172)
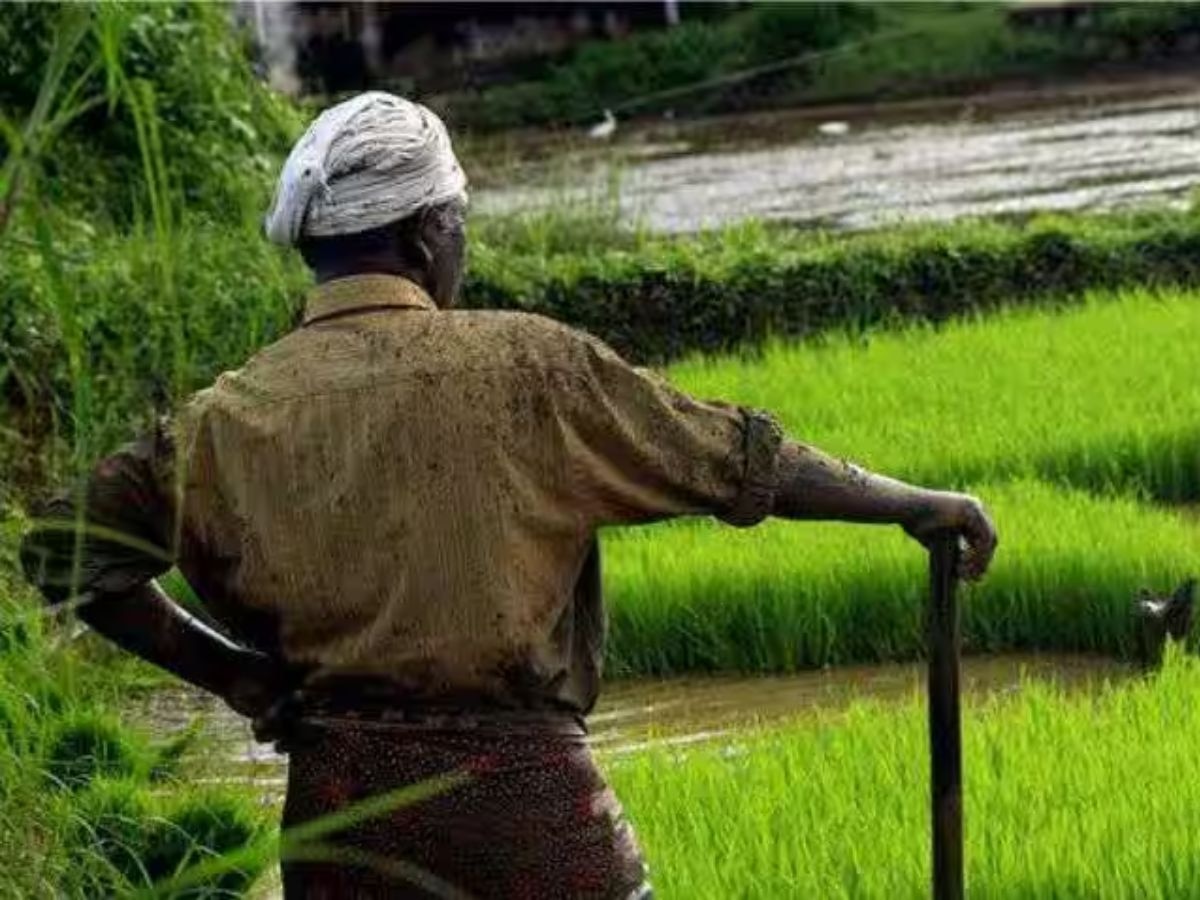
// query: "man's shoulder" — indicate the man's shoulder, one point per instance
point(524, 337)
point(459, 341)
point(532, 325)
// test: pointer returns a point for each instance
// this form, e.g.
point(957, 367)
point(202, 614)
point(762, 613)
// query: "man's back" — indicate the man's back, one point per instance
point(412, 493)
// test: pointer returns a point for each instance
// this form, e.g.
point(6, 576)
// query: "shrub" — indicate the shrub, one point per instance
point(219, 127)
point(741, 285)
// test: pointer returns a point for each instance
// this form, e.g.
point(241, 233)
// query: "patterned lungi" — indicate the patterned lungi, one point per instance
point(523, 813)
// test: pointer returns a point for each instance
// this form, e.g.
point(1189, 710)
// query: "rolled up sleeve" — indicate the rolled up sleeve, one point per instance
point(112, 534)
point(641, 450)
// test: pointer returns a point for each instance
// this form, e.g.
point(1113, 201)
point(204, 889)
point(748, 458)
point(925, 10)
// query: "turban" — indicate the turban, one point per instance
point(371, 160)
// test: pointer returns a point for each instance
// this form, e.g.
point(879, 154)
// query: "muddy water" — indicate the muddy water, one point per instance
point(634, 715)
point(1087, 148)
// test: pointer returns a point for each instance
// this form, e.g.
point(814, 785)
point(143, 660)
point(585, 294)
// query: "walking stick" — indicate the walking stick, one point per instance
point(945, 736)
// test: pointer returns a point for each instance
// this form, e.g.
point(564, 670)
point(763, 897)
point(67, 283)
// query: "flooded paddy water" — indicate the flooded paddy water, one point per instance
point(1088, 148)
point(636, 715)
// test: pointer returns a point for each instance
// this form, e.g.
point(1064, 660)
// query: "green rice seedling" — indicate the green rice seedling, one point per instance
point(108, 830)
point(129, 839)
point(1066, 796)
point(87, 746)
point(1097, 396)
point(693, 595)
point(206, 825)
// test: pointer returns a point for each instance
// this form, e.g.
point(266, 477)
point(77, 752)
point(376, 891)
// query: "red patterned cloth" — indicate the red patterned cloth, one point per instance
point(530, 818)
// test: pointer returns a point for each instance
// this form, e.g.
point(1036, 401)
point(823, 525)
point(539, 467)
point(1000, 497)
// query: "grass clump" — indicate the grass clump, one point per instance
point(142, 840)
point(87, 746)
point(1055, 785)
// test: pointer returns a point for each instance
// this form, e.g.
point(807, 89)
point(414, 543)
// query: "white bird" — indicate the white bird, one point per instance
point(602, 131)
point(834, 129)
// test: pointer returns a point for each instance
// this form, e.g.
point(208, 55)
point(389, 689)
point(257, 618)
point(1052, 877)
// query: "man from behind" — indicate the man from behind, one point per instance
point(392, 513)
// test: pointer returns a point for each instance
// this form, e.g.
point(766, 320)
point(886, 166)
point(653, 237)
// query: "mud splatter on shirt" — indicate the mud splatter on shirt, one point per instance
point(398, 491)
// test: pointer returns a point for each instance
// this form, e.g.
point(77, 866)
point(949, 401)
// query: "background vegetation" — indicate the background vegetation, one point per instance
point(780, 54)
point(97, 208)
point(218, 128)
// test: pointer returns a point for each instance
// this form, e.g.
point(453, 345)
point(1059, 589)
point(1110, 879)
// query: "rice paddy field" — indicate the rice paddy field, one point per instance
point(1080, 429)
point(1101, 395)
point(1094, 796)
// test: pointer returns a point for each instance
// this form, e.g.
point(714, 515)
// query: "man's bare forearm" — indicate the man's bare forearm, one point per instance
point(149, 624)
point(810, 484)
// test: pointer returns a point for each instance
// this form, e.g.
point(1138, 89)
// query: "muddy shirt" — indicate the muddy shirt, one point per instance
point(413, 494)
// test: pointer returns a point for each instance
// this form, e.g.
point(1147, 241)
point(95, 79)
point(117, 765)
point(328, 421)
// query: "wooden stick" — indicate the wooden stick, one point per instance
point(945, 735)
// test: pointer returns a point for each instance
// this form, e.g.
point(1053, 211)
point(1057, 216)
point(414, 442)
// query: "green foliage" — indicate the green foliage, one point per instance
point(110, 822)
point(93, 327)
point(769, 32)
point(125, 821)
point(199, 826)
point(85, 747)
point(240, 293)
point(837, 806)
point(143, 840)
point(830, 51)
point(603, 74)
point(744, 284)
point(220, 128)
point(1148, 23)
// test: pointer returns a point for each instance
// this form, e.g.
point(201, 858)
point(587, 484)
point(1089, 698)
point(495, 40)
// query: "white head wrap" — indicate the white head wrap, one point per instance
point(373, 159)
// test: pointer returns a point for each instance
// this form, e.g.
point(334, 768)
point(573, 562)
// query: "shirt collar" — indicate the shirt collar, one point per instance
point(355, 293)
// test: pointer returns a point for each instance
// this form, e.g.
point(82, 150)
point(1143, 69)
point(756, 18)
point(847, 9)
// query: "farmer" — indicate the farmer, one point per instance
point(391, 512)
